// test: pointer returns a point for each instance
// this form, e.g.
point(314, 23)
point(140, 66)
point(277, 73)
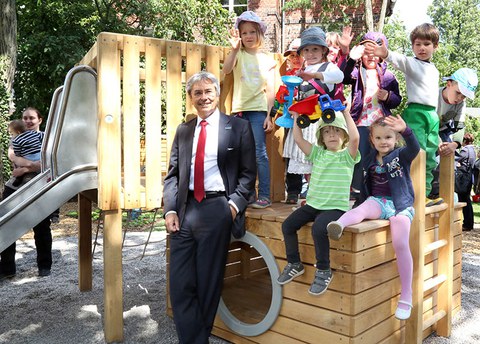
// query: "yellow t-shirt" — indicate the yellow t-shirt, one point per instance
point(250, 76)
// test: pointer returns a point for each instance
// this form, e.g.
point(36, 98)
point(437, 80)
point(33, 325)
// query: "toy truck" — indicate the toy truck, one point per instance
point(317, 106)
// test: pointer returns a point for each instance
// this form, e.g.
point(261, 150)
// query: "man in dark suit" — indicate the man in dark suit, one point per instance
point(201, 213)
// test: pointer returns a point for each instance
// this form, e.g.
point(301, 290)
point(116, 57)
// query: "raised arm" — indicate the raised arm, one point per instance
point(231, 59)
point(303, 144)
point(353, 135)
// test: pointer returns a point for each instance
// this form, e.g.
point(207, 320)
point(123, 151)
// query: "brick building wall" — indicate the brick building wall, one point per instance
point(294, 22)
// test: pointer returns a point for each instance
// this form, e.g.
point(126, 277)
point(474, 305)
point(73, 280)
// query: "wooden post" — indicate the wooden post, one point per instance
point(109, 181)
point(84, 243)
point(113, 276)
point(414, 325)
point(445, 254)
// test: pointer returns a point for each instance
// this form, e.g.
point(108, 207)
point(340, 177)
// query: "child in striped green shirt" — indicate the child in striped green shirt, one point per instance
point(333, 157)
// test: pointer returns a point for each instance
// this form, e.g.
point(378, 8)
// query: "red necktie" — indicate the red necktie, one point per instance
point(198, 181)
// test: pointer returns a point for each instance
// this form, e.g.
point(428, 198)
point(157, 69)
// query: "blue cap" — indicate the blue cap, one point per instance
point(312, 36)
point(467, 81)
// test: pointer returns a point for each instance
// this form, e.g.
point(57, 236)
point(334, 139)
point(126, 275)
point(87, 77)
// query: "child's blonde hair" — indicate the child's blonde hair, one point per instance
point(425, 31)
point(332, 38)
point(17, 125)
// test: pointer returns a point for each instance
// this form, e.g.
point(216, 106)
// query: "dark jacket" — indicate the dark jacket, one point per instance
point(352, 76)
point(397, 163)
point(236, 162)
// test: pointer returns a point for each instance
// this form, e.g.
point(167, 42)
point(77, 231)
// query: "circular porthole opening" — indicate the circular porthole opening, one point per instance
point(251, 298)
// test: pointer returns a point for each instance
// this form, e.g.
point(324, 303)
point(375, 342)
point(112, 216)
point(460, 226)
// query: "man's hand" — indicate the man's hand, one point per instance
point(234, 212)
point(172, 223)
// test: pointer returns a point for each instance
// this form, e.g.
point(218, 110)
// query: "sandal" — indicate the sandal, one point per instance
point(291, 199)
point(403, 314)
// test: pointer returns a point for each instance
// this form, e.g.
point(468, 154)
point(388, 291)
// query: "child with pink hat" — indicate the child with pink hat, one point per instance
point(253, 92)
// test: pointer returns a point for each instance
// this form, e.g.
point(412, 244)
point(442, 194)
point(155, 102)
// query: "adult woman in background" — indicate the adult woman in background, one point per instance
point(42, 232)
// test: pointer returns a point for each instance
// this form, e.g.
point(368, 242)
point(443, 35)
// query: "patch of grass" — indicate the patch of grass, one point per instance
point(476, 212)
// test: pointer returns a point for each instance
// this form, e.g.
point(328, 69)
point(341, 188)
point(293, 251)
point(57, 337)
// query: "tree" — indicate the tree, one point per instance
point(8, 55)
point(457, 21)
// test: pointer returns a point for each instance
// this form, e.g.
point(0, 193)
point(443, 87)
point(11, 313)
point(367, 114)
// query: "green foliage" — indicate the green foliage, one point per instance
point(457, 21)
point(398, 41)
point(193, 21)
point(472, 126)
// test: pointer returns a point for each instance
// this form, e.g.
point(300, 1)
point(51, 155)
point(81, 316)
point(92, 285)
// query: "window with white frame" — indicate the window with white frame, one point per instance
point(237, 6)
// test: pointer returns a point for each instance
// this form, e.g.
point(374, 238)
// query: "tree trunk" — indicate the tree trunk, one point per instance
point(381, 20)
point(8, 41)
point(8, 61)
point(369, 15)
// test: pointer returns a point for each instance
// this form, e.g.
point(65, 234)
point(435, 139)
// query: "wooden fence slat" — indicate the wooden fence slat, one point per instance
point(414, 325)
point(153, 125)
point(131, 121)
point(212, 59)
point(174, 88)
point(109, 139)
point(194, 64)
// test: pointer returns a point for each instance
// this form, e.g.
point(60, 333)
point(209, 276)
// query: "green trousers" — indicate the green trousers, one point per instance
point(424, 122)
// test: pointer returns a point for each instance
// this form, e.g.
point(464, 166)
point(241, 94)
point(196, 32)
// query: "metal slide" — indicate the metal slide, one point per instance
point(69, 157)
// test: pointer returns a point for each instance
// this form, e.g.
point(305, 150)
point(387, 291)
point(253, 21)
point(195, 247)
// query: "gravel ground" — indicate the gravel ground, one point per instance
point(52, 310)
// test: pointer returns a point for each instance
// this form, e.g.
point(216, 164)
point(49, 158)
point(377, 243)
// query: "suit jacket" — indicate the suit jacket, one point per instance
point(236, 162)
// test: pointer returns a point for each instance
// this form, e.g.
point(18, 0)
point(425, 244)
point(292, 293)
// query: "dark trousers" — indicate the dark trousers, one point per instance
point(43, 244)
point(294, 183)
point(198, 254)
point(320, 218)
point(467, 210)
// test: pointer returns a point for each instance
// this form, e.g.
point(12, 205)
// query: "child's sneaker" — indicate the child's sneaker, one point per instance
point(321, 282)
point(290, 271)
point(433, 201)
point(261, 203)
point(335, 230)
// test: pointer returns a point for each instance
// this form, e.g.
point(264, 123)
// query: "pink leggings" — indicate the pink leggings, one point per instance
point(400, 229)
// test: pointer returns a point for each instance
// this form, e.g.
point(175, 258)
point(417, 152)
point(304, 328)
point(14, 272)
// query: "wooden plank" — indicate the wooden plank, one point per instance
point(378, 332)
point(112, 257)
point(90, 58)
point(306, 333)
point(109, 137)
point(131, 122)
point(174, 88)
point(212, 59)
point(85, 261)
point(347, 282)
point(194, 65)
point(414, 326)
point(154, 163)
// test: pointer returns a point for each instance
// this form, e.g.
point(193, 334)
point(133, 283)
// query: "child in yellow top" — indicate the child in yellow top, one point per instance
point(253, 92)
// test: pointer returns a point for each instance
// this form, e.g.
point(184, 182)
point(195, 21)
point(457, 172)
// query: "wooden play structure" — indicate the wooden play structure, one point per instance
point(134, 75)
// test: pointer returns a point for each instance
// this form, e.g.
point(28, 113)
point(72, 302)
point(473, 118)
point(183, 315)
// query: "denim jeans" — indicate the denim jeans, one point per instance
point(256, 119)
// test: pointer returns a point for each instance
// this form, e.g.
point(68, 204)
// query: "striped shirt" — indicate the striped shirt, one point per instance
point(27, 143)
point(329, 186)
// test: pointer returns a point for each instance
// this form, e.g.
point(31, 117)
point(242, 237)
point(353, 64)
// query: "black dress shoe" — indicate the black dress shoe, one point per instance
point(43, 272)
point(4, 276)
point(466, 229)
